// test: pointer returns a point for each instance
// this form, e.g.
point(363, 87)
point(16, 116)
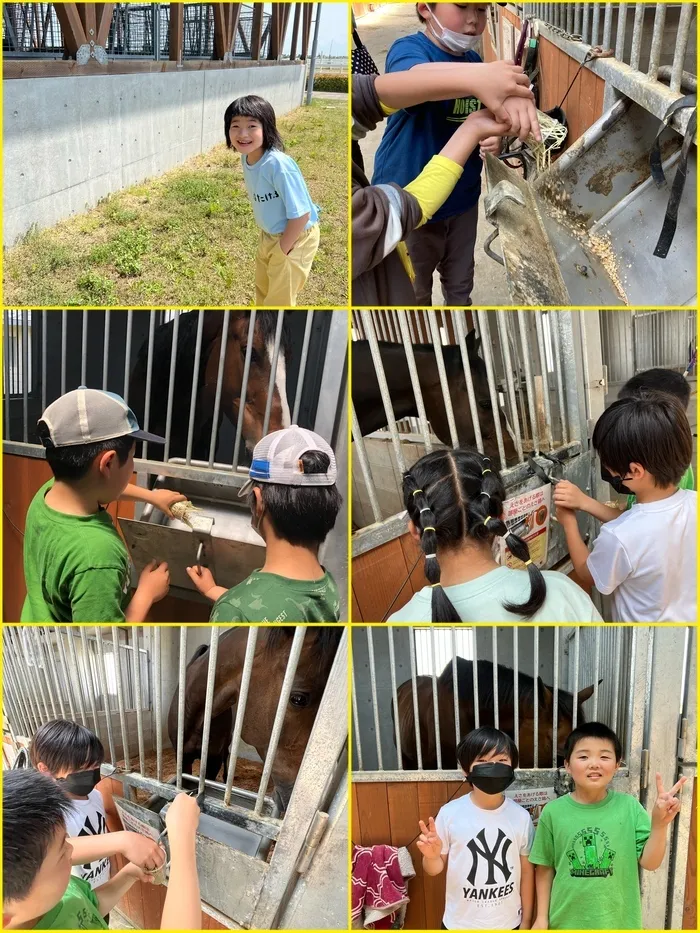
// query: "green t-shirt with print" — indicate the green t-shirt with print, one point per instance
point(594, 849)
point(268, 597)
point(76, 567)
point(687, 482)
point(78, 909)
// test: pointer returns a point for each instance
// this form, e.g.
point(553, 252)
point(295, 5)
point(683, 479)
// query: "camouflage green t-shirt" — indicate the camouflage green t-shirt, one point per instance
point(268, 597)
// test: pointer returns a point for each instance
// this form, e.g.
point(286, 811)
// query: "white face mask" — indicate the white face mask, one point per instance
point(454, 41)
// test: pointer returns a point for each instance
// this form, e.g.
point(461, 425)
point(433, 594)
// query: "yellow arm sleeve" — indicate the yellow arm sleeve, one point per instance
point(434, 185)
point(387, 110)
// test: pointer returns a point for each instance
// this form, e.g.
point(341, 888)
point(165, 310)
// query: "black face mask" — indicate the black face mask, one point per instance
point(80, 783)
point(493, 777)
point(615, 481)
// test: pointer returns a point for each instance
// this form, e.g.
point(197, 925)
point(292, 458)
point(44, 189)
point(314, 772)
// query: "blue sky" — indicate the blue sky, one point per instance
point(333, 37)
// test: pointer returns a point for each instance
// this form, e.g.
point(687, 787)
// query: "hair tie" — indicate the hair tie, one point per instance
point(429, 528)
point(487, 520)
point(528, 562)
point(487, 494)
point(416, 491)
point(425, 509)
point(432, 585)
point(428, 556)
point(484, 472)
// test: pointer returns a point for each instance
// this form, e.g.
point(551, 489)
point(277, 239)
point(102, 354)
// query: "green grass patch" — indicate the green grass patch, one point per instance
point(188, 237)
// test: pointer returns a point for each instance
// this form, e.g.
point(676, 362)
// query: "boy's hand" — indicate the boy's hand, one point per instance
point(523, 118)
point(164, 499)
point(565, 517)
point(540, 925)
point(568, 496)
point(155, 580)
point(202, 577)
point(141, 851)
point(667, 805)
point(137, 873)
point(182, 818)
point(491, 144)
point(494, 82)
point(429, 843)
point(483, 124)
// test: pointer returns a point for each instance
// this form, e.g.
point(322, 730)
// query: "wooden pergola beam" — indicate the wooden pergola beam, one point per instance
point(256, 32)
point(71, 26)
point(306, 30)
point(104, 14)
point(88, 17)
point(295, 31)
point(233, 15)
point(176, 34)
point(221, 47)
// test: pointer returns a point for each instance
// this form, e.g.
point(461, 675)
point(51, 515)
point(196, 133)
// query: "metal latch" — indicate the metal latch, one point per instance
point(311, 843)
point(644, 769)
point(502, 191)
point(680, 753)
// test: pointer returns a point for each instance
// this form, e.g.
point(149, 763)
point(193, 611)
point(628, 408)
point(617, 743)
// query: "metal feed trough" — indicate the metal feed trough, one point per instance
point(584, 231)
point(100, 349)
point(78, 673)
point(643, 679)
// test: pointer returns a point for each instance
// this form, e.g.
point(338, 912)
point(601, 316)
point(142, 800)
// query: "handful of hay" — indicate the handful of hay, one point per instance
point(183, 511)
point(553, 135)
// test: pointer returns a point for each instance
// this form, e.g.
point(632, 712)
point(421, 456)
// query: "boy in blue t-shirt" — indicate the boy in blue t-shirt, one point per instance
point(414, 135)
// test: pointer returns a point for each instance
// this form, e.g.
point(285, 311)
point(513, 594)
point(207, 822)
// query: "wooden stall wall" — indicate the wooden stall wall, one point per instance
point(22, 477)
point(690, 901)
point(378, 574)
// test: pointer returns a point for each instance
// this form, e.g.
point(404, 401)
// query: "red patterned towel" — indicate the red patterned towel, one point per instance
point(379, 896)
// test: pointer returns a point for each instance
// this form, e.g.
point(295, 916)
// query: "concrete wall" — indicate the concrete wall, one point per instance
point(69, 142)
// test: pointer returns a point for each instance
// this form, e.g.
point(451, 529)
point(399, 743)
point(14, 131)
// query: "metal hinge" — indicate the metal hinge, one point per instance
point(311, 843)
point(680, 754)
point(644, 769)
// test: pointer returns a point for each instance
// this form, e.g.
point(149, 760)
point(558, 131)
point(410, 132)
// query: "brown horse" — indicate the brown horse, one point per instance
point(506, 720)
point(269, 666)
point(234, 360)
point(368, 402)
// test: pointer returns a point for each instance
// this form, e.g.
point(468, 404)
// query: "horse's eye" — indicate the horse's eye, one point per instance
point(484, 404)
point(300, 700)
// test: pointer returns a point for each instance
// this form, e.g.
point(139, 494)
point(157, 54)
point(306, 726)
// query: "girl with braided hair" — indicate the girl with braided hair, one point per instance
point(455, 501)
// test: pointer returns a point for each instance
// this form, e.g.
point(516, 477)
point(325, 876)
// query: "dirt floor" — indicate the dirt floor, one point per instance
point(378, 30)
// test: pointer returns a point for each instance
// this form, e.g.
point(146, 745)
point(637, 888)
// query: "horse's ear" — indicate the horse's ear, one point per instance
point(545, 694)
point(473, 344)
point(213, 324)
point(587, 692)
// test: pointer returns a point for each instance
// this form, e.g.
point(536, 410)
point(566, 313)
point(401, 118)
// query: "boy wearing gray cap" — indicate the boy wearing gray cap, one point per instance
point(294, 503)
point(76, 566)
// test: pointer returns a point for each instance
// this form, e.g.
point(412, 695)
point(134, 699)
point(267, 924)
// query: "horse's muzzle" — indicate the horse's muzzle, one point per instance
point(281, 796)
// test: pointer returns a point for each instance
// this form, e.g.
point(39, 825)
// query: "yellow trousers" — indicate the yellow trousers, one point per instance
point(280, 278)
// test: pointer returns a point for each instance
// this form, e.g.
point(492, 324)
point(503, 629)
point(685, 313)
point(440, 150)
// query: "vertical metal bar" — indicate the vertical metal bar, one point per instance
point(287, 683)
point(522, 324)
point(577, 18)
point(455, 690)
point(383, 388)
point(105, 694)
point(244, 389)
point(607, 25)
point(149, 377)
point(621, 29)
point(7, 434)
point(89, 680)
point(171, 385)
point(442, 373)
point(64, 326)
point(359, 766)
point(195, 381)
point(616, 677)
point(105, 351)
point(32, 680)
point(375, 701)
point(361, 452)
point(182, 665)
point(208, 705)
point(43, 670)
point(157, 688)
point(37, 654)
point(657, 40)
point(475, 680)
point(302, 365)
point(682, 36)
point(490, 376)
point(508, 366)
point(637, 34)
point(596, 23)
point(569, 18)
point(630, 699)
point(54, 673)
point(555, 698)
point(13, 696)
point(26, 687)
point(586, 28)
point(556, 340)
point(219, 384)
point(415, 380)
point(137, 692)
point(397, 724)
point(83, 348)
point(414, 689)
point(436, 711)
point(24, 701)
point(273, 371)
point(44, 350)
point(577, 649)
point(75, 674)
point(545, 378)
point(461, 332)
point(120, 697)
point(516, 695)
point(25, 376)
point(127, 360)
point(536, 710)
point(596, 673)
point(494, 653)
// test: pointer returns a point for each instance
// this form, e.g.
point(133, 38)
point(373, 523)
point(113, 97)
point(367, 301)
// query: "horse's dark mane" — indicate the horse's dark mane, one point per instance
point(324, 642)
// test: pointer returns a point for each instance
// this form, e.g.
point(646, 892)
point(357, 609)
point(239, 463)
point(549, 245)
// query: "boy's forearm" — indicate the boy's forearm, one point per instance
point(134, 493)
point(138, 608)
point(108, 895)
point(544, 876)
point(182, 909)
point(604, 513)
point(527, 892)
point(433, 866)
point(653, 854)
point(578, 552)
point(292, 232)
point(423, 83)
point(90, 848)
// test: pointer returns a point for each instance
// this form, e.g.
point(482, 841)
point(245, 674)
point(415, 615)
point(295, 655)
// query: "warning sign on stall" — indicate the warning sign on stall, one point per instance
point(527, 516)
point(532, 799)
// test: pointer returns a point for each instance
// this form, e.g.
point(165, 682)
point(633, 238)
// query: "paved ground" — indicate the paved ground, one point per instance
point(378, 30)
point(330, 95)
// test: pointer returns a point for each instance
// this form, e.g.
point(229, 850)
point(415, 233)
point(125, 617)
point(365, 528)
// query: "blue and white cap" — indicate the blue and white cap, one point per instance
point(277, 459)
point(87, 416)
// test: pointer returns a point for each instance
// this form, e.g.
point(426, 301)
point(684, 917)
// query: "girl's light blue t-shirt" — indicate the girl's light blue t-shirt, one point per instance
point(482, 600)
point(277, 191)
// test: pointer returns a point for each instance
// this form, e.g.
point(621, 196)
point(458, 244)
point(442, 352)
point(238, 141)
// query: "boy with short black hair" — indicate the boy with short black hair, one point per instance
point(76, 565)
point(294, 504)
point(484, 839)
point(646, 557)
point(590, 843)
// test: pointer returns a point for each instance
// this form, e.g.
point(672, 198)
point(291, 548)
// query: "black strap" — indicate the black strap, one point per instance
point(668, 230)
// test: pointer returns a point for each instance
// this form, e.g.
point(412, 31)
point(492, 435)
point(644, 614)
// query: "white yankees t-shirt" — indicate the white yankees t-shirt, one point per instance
point(483, 865)
point(88, 818)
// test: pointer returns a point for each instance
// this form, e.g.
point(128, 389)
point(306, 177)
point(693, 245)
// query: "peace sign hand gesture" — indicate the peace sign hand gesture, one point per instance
point(429, 843)
point(667, 805)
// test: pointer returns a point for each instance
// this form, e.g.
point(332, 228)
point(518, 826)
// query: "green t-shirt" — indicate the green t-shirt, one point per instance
point(594, 849)
point(268, 597)
point(77, 910)
point(76, 567)
point(687, 482)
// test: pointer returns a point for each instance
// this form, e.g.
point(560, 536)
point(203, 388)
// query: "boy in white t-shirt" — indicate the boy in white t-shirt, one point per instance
point(484, 838)
point(72, 755)
point(646, 558)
